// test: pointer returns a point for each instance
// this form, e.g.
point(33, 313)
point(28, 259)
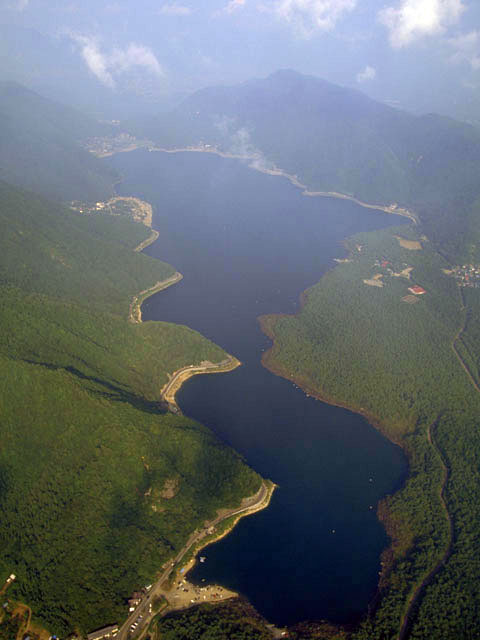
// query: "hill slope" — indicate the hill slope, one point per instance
point(86, 448)
point(40, 147)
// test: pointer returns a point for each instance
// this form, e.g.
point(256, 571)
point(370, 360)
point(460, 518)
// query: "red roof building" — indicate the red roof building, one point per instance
point(416, 290)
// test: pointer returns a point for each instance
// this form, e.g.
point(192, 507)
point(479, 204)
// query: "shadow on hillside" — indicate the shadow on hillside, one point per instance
point(108, 390)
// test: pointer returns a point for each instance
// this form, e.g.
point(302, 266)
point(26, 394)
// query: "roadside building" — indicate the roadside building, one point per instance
point(134, 600)
point(106, 632)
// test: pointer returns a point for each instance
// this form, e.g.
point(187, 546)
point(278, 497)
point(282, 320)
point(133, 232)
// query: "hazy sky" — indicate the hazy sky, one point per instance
point(422, 53)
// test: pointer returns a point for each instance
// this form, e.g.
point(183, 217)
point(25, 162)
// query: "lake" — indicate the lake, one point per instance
point(248, 244)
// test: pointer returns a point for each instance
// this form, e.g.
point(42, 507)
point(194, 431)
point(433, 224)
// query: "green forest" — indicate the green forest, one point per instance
point(86, 446)
point(232, 620)
point(366, 348)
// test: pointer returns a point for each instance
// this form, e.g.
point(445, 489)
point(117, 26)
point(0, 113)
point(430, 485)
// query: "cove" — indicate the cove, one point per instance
point(248, 244)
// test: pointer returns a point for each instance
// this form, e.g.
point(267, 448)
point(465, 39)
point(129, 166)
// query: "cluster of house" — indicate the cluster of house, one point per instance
point(383, 263)
point(202, 146)
point(134, 600)
point(112, 630)
point(466, 275)
point(413, 291)
point(106, 145)
point(83, 207)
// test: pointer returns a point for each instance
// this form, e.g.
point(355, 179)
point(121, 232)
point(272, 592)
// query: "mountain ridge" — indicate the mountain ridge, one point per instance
point(338, 139)
point(41, 148)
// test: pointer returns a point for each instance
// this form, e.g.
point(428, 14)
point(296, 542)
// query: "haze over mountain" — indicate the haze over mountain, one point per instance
point(54, 67)
point(337, 139)
point(40, 147)
point(105, 487)
point(422, 55)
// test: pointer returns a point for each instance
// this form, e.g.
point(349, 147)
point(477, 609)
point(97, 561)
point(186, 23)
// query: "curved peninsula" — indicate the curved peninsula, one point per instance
point(177, 378)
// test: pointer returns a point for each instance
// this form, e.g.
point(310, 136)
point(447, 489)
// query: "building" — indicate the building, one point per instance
point(134, 601)
point(416, 290)
point(106, 632)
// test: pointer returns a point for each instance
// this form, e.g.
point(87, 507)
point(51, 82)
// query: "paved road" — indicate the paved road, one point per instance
point(408, 618)
point(156, 590)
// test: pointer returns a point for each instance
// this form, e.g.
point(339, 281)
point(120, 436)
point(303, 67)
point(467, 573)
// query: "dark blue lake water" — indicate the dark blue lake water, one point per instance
point(249, 244)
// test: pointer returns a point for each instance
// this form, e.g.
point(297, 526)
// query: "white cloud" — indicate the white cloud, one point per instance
point(467, 49)
point(415, 19)
point(108, 65)
point(96, 61)
point(234, 5)
point(231, 7)
point(239, 143)
point(369, 73)
point(173, 9)
point(308, 16)
point(18, 5)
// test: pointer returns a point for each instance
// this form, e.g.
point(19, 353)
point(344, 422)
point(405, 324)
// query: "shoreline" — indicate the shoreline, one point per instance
point(268, 361)
point(198, 540)
point(306, 191)
point(382, 512)
point(176, 570)
point(135, 310)
point(171, 388)
point(150, 240)
point(247, 511)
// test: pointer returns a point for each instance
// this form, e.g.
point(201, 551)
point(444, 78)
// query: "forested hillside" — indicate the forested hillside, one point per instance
point(86, 447)
point(40, 147)
point(362, 340)
point(88, 453)
point(231, 620)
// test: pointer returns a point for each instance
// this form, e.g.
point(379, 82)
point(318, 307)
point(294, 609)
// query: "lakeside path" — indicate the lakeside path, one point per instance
point(169, 390)
point(166, 585)
point(184, 594)
point(256, 162)
point(135, 311)
point(177, 378)
point(150, 240)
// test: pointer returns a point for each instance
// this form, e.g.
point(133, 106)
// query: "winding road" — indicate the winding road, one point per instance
point(249, 505)
point(455, 351)
point(414, 599)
